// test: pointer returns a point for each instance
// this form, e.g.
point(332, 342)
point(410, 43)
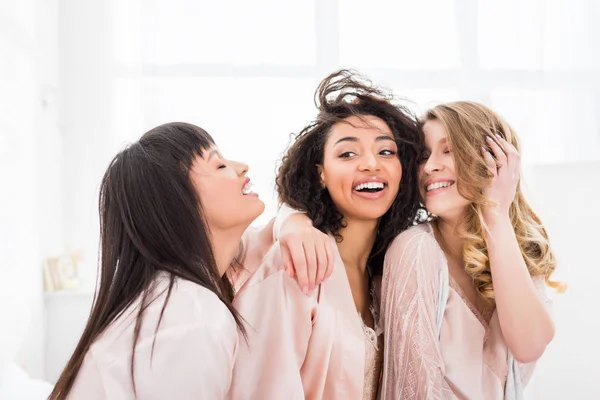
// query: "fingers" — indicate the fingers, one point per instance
point(513, 157)
point(509, 149)
point(489, 161)
point(330, 257)
point(321, 250)
point(287, 261)
point(311, 264)
point(499, 154)
point(308, 255)
point(298, 264)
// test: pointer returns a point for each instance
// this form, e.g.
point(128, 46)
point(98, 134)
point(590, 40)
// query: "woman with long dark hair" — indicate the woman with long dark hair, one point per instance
point(172, 214)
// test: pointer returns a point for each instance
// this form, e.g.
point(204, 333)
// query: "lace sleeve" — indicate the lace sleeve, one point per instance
point(413, 367)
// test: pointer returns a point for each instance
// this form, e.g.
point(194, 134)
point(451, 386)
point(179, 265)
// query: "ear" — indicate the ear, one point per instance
point(321, 176)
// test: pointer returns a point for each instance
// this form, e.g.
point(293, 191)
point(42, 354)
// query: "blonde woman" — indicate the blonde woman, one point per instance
point(463, 296)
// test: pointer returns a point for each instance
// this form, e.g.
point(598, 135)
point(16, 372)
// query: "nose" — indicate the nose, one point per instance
point(433, 165)
point(369, 162)
point(240, 168)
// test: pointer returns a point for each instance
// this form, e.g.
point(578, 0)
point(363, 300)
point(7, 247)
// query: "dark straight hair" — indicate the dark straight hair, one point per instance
point(151, 221)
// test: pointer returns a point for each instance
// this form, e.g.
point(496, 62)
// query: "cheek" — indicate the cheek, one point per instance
point(207, 197)
point(395, 172)
point(450, 165)
point(337, 174)
point(215, 193)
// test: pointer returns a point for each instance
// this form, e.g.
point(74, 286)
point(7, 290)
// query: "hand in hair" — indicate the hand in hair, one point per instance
point(505, 169)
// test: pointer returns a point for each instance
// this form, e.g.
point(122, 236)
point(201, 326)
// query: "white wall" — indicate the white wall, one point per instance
point(86, 120)
point(568, 199)
point(30, 200)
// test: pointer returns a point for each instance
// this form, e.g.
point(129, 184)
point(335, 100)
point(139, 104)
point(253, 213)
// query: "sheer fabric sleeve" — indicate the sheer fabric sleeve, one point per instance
point(413, 366)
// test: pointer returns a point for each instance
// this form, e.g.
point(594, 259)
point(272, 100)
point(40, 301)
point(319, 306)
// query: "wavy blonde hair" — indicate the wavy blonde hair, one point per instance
point(467, 124)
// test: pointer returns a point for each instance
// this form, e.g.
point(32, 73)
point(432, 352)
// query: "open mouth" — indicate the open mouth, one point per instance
point(247, 189)
point(370, 187)
point(438, 186)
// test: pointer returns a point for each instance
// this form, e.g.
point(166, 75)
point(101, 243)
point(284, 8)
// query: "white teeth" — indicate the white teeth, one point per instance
point(247, 188)
point(369, 185)
point(438, 185)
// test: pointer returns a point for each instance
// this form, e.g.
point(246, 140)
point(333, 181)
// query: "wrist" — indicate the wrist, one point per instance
point(296, 221)
point(498, 224)
point(495, 216)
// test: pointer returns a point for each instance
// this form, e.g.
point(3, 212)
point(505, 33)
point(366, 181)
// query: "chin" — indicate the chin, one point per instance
point(256, 211)
point(448, 213)
point(367, 216)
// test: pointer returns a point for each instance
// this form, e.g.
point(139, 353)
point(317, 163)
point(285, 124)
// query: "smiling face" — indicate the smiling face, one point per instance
point(224, 191)
point(361, 169)
point(438, 178)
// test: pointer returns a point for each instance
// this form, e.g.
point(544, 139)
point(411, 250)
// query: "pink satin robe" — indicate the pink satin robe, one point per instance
point(195, 346)
point(298, 346)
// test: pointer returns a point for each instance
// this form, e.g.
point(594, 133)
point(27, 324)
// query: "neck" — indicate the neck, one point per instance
point(225, 244)
point(449, 241)
point(359, 237)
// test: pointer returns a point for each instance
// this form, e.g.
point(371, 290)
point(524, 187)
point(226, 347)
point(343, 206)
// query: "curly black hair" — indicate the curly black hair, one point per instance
point(343, 94)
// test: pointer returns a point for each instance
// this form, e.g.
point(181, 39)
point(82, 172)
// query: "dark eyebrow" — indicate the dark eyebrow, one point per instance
point(355, 139)
point(384, 137)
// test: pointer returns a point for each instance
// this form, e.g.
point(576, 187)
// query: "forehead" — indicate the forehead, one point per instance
point(202, 159)
point(355, 126)
point(435, 133)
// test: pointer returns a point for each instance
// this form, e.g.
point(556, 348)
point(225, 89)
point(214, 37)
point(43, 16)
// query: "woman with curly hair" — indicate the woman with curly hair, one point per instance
point(354, 172)
point(463, 296)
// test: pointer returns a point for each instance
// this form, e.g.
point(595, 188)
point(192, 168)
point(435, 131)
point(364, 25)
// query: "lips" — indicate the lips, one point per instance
point(371, 188)
point(436, 186)
point(247, 188)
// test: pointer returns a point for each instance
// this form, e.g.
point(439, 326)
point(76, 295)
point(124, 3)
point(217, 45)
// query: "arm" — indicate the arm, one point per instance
point(255, 243)
point(524, 319)
point(414, 368)
point(307, 252)
point(279, 325)
point(526, 368)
